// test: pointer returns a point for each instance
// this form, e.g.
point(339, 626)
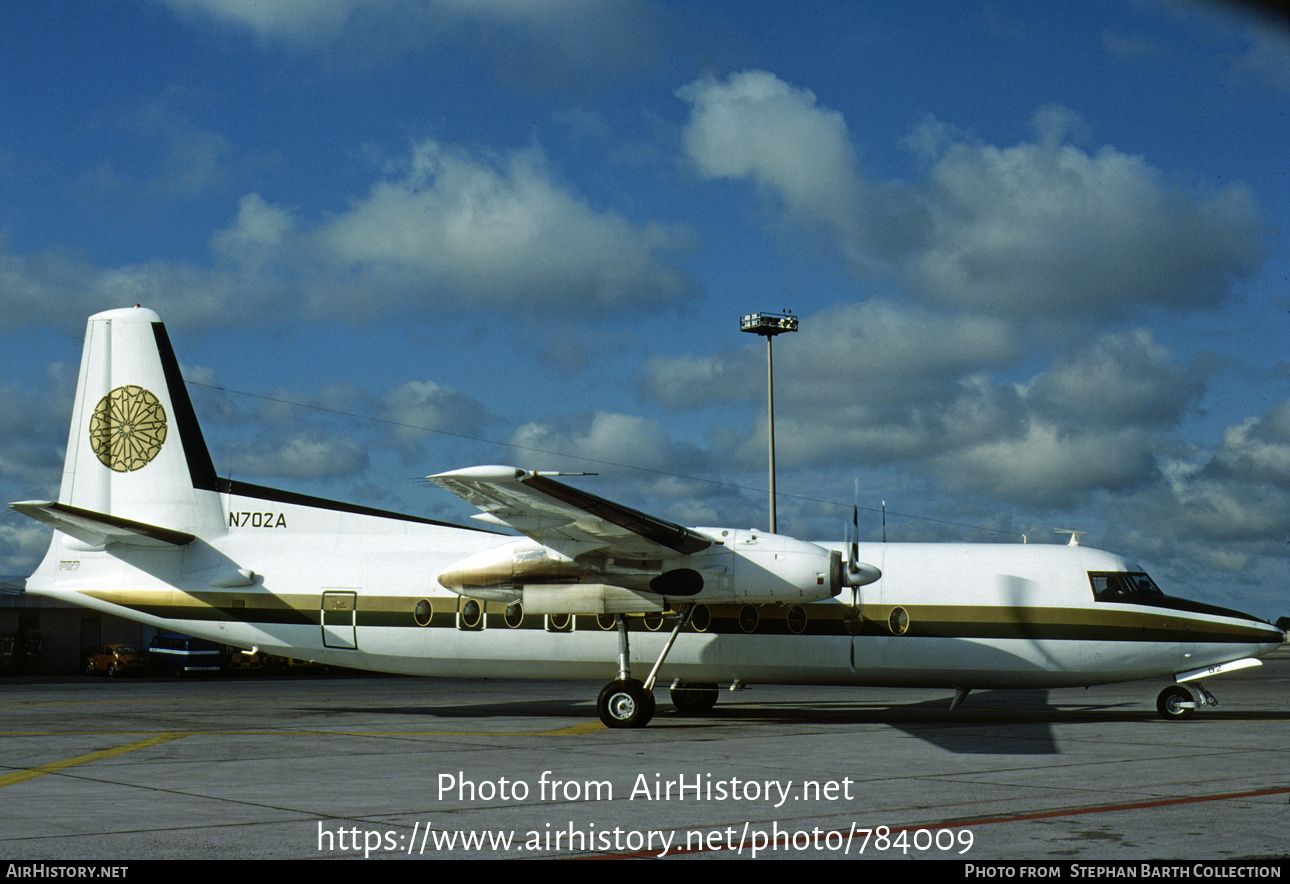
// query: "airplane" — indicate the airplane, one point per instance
point(146, 529)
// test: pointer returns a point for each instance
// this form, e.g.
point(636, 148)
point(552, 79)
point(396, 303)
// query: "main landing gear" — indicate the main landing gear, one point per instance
point(629, 702)
point(1178, 702)
point(694, 699)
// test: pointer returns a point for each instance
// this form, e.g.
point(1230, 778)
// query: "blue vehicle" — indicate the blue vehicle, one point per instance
point(183, 654)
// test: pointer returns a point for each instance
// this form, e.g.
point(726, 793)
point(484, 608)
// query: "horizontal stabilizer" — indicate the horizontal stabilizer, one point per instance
point(99, 529)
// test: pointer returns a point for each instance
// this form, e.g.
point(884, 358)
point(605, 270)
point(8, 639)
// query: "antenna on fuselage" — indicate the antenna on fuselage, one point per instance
point(1075, 535)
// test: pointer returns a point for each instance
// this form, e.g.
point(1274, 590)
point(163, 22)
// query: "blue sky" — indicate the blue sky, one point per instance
point(1038, 251)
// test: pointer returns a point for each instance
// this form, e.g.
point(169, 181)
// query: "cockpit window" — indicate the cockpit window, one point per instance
point(1123, 586)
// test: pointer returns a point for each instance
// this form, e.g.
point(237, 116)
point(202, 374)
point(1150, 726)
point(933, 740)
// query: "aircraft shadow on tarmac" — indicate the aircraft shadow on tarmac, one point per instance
point(989, 722)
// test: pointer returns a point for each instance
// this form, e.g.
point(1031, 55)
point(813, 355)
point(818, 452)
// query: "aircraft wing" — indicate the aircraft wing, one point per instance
point(566, 519)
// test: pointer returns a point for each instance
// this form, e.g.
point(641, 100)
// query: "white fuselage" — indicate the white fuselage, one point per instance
point(344, 589)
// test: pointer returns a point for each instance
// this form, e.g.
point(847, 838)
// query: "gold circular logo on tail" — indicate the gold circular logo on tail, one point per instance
point(127, 428)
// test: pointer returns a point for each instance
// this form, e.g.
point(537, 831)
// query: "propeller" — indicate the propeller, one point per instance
point(858, 573)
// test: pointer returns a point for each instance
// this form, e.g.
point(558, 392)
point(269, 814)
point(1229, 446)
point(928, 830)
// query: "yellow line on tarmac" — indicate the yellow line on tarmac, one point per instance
point(31, 773)
point(575, 730)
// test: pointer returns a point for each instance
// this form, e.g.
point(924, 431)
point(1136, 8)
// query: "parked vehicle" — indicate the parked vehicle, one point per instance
point(115, 659)
point(183, 654)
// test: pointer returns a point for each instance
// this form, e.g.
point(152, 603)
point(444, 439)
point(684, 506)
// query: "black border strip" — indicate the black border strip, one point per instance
point(263, 492)
point(200, 466)
point(202, 469)
point(652, 528)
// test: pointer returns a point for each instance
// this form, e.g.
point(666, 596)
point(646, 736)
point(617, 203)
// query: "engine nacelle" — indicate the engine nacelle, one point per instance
point(741, 567)
point(768, 568)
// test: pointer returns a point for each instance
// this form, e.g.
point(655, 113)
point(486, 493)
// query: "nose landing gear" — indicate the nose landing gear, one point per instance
point(1178, 702)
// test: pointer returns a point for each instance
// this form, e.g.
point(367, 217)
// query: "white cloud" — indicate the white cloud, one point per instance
point(756, 126)
point(601, 436)
point(417, 406)
point(496, 232)
point(1118, 380)
point(689, 381)
point(317, 20)
point(1039, 229)
point(448, 230)
point(874, 356)
point(1048, 467)
point(877, 383)
point(259, 231)
point(1266, 58)
point(1258, 449)
point(1042, 228)
point(179, 159)
point(301, 457)
point(60, 289)
point(571, 43)
point(23, 543)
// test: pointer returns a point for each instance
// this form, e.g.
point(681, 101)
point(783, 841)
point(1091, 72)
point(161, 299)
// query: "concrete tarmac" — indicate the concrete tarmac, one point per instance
point(309, 768)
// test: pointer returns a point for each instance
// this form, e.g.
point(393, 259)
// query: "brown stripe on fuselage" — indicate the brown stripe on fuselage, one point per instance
point(1124, 623)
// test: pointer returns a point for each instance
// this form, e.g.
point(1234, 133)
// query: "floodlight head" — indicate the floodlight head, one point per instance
point(768, 324)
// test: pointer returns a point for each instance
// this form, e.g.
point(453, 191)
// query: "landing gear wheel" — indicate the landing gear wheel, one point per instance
point(694, 699)
point(1170, 703)
point(625, 704)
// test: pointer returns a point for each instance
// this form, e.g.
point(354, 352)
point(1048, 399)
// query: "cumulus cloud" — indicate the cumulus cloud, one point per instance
point(446, 229)
point(556, 42)
point(301, 457)
point(1266, 58)
point(689, 381)
point(416, 406)
point(1118, 380)
point(877, 356)
point(600, 436)
point(754, 125)
point(1045, 227)
point(1258, 449)
point(1048, 467)
point(183, 159)
point(257, 234)
point(314, 22)
point(61, 289)
point(33, 430)
point(879, 383)
point(23, 543)
point(1039, 229)
point(660, 481)
point(498, 231)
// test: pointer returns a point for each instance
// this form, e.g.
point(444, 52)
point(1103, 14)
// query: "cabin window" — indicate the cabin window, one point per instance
point(1112, 586)
point(514, 615)
point(422, 612)
point(898, 621)
point(470, 615)
point(797, 619)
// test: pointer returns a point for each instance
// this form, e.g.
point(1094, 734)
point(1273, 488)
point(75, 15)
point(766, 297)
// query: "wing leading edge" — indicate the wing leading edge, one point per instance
point(566, 519)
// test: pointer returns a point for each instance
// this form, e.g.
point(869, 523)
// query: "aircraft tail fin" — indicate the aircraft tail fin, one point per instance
point(136, 458)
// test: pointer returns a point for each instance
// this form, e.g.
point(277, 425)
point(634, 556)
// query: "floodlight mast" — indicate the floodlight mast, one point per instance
point(768, 325)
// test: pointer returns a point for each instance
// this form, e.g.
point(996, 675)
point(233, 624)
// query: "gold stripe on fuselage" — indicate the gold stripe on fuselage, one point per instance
point(1099, 622)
